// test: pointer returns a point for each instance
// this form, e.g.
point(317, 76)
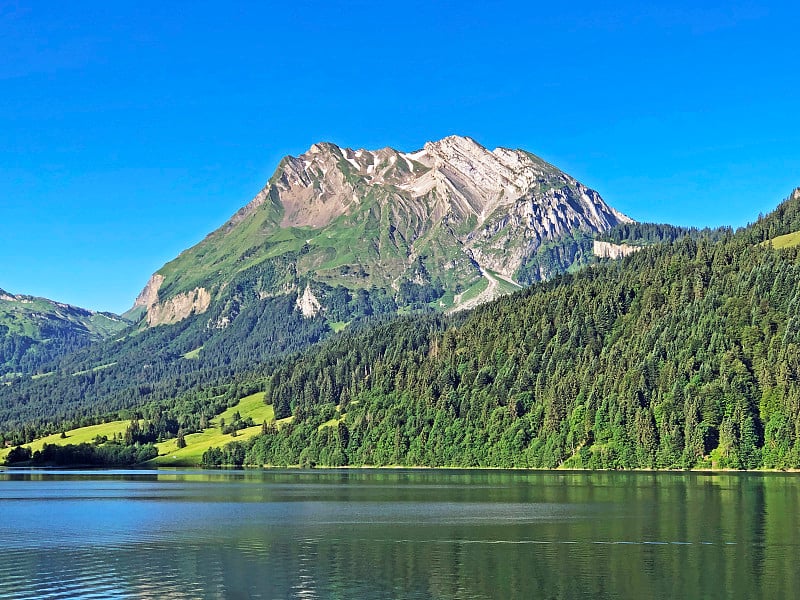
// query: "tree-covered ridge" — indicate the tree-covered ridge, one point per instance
point(159, 364)
point(682, 355)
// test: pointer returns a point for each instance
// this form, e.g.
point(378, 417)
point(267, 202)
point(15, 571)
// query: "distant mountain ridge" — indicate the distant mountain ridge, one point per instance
point(34, 330)
point(454, 219)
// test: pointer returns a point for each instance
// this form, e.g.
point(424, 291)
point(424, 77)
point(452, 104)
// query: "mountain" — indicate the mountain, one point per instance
point(447, 226)
point(336, 237)
point(685, 354)
point(35, 330)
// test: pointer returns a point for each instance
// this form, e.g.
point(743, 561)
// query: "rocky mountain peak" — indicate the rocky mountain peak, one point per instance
point(453, 209)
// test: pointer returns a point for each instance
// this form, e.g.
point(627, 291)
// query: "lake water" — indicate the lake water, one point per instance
point(398, 534)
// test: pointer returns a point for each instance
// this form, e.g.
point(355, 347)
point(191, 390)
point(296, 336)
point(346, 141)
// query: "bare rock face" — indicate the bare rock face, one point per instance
point(179, 307)
point(505, 202)
point(465, 178)
point(609, 250)
point(308, 304)
point(149, 295)
point(172, 309)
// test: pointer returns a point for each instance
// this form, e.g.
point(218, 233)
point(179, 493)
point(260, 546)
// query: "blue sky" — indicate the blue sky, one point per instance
point(129, 130)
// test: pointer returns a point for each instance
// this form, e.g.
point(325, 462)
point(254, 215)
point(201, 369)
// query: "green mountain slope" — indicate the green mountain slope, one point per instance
point(36, 330)
point(681, 355)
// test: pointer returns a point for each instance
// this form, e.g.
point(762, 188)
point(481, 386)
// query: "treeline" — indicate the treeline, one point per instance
point(69, 455)
point(683, 355)
point(645, 234)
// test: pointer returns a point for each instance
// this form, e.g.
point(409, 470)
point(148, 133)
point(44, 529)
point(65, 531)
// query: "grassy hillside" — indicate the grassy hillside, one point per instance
point(788, 240)
point(196, 443)
point(251, 406)
point(81, 435)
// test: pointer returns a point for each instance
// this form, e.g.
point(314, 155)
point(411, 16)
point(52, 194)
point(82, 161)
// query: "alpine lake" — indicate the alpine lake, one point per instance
point(392, 533)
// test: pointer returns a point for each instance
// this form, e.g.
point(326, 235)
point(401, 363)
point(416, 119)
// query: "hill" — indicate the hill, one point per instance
point(681, 355)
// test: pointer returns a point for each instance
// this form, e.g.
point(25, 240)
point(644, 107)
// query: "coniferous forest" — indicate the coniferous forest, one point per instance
point(686, 354)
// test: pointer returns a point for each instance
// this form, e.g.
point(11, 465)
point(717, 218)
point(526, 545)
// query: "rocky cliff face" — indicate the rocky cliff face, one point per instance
point(614, 251)
point(308, 304)
point(149, 295)
point(172, 309)
point(452, 212)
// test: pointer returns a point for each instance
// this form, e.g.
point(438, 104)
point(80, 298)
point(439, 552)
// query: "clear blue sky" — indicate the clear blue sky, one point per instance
point(129, 130)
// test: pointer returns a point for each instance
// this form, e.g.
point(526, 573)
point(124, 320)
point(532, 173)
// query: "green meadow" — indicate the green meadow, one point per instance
point(83, 435)
point(785, 241)
point(169, 455)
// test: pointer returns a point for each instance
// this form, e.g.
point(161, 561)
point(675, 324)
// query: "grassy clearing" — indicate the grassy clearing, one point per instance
point(193, 354)
point(94, 369)
point(474, 291)
point(197, 443)
point(337, 326)
point(331, 422)
point(790, 240)
point(338, 418)
point(504, 286)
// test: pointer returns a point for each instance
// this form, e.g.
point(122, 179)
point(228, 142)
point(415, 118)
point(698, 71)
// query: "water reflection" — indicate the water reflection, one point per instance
point(392, 534)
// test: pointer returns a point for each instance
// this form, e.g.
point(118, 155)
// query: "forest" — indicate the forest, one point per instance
point(684, 355)
point(159, 364)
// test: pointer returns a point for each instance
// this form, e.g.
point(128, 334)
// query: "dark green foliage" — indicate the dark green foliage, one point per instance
point(105, 454)
point(35, 331)
point(18, 455)
point(686, 354)
point(555, 258)
point(24, 354)
point(645, 234)
point(232, 455)
point(418, 294)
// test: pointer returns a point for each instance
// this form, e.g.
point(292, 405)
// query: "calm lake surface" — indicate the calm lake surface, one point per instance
point(398, 534)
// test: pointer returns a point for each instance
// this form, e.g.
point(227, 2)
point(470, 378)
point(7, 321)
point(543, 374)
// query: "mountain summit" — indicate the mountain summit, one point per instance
point(449, 225)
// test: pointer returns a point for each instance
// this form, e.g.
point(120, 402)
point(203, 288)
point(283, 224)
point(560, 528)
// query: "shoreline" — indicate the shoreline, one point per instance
point(387, 468)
